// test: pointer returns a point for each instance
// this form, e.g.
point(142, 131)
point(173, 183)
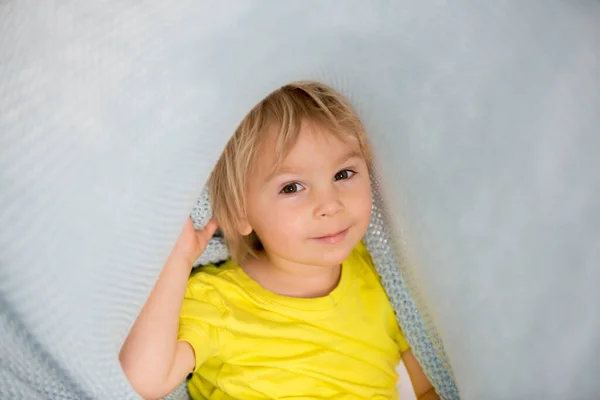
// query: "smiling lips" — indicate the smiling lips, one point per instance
point(333, 238)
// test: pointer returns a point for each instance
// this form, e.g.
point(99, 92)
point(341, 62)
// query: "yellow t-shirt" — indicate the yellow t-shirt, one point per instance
point(251, 343)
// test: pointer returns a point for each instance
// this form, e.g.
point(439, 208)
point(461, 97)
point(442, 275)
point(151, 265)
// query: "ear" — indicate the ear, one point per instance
point(244, 228)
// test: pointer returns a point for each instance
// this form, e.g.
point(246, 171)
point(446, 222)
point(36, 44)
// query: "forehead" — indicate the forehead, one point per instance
point(313, 145)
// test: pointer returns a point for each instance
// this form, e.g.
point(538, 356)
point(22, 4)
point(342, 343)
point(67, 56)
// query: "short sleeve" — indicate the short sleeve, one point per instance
point(401, 340)
point(194, 327)
point(361, 252)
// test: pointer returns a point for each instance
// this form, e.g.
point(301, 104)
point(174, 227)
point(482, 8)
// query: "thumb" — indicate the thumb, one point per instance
point(206, 233)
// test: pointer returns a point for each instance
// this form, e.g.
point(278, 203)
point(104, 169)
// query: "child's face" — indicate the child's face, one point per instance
point(316, 206)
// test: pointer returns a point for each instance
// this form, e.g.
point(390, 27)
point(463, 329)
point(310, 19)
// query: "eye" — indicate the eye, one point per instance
point(343, 174)
point(291, 188)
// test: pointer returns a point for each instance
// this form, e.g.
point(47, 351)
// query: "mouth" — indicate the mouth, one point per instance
point(332, 238)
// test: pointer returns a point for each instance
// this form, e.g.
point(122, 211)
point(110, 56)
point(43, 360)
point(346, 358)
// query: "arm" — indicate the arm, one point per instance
point(152, 358)
point(424, 390)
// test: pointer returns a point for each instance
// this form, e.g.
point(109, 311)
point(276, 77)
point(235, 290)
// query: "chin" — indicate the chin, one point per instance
point(336, 255)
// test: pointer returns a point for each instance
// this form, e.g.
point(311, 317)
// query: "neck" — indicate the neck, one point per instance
point(292, 279)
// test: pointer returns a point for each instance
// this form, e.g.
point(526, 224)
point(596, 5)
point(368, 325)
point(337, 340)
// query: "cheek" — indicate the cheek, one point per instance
point(280, 221)
point(365, 211)
point(361, 202)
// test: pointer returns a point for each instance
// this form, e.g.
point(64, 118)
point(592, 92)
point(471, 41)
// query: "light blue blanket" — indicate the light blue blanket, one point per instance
point(485, 121)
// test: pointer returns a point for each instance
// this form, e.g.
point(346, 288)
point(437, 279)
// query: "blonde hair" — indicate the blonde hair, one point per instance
point(285, 108)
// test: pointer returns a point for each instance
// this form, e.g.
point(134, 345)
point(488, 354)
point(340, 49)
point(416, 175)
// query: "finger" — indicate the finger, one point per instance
point(189, 223)
point(211, 227)
point(205, 234)
point(187, 227)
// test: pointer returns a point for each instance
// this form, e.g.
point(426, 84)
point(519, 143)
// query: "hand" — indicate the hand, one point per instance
point(191, 243)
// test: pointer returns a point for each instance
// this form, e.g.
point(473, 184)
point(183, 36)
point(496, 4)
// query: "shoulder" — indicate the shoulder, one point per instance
point(360, 255)
point(212, 273)
point(361, 262)
point(209, 283)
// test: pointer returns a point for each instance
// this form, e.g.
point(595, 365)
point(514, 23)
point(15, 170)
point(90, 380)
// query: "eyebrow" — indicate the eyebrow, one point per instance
point(284, 170)
point(349, 155)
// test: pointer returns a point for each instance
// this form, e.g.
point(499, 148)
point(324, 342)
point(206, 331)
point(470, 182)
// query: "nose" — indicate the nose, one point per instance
point(328, 202)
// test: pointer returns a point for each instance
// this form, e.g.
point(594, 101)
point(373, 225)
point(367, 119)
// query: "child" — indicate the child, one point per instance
point(298, 312)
